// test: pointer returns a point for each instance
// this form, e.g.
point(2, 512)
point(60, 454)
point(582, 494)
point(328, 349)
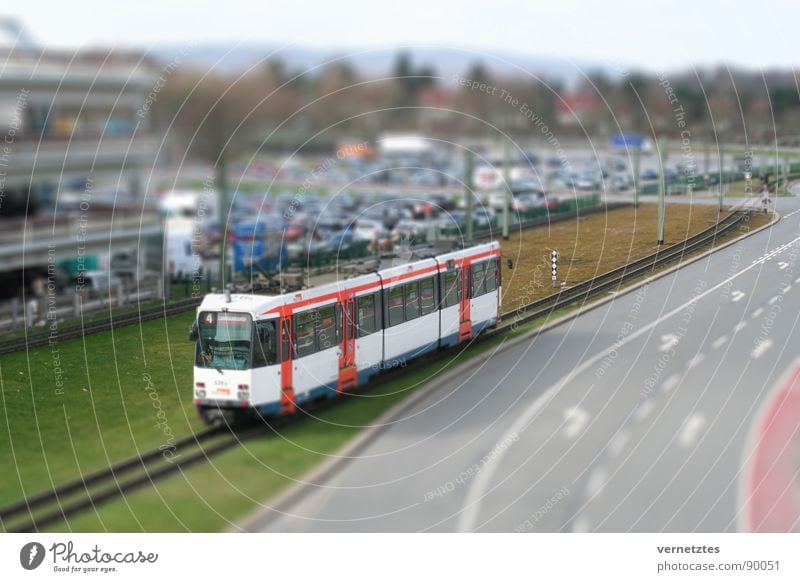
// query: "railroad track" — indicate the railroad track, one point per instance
point(74, 331)
point(90, 490)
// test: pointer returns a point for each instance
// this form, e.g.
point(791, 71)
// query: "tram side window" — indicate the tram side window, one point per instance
point(265, 348)
point(396, 305)
point(326, 330)
point(411, 295)
point(478, 271)
point(492, 279)
point(451, 289)
point(427, 296)
point(367, 315)
point(305, 340)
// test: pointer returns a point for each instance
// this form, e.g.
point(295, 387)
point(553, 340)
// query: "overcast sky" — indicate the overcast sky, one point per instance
point(646, 33)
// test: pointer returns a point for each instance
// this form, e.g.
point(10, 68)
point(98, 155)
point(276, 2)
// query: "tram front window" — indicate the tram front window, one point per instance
point(224, 340)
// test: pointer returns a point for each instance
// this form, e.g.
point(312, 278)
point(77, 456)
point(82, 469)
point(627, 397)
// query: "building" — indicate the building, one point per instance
point(76, 151)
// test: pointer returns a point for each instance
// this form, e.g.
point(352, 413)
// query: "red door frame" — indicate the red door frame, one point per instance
point(348, 373)
point(287, 405)
point(464, 315)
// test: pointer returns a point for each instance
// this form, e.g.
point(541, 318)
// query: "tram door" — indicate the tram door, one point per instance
point(287, 389)
point(348, 373)
point(465, 317)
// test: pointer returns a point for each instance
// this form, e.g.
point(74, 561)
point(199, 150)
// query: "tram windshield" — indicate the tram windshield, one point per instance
point(224, 340)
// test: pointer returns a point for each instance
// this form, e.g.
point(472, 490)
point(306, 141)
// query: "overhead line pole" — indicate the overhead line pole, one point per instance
point(662, 191)
point(469, 166)
point(506, 186)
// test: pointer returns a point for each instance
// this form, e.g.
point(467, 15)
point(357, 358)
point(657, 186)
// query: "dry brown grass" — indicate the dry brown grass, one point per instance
point(595, 244)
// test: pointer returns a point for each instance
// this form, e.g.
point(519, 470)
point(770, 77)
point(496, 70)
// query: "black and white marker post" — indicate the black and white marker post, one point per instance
point(554, 266)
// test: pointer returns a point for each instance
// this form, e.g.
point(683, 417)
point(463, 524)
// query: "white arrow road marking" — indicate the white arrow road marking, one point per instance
point(644, 410)
point(719, 342)
point(669, 341)
point(761, 348)
point(692, 428)
point(737, 296)
point(782, 265)
point(576, 419)
point(670, 382)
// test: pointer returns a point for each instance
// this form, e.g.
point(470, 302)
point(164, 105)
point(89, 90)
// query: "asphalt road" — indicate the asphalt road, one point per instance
point(640, 415)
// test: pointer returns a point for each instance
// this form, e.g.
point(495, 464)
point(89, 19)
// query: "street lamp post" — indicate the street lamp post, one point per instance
point(662, 191)
point(222, 187)
point(468, 188)
point(637, 164)
point(721, 174)
point(506, 186)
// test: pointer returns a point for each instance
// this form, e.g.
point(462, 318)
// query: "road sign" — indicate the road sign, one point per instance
point(554, 265)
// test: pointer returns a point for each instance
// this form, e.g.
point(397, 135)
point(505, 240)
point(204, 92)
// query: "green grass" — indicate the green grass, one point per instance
point(102, 412)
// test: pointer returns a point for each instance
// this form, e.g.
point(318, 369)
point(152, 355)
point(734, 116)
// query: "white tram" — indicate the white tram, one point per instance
point(265, 355)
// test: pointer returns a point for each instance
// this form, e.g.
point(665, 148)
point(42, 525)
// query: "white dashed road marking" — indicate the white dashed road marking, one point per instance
point(617, 444)
point(597, 480)
point(719, 342)
point(670, 382)
point(669, 341)
point(576, 419)
point(692, 428)
point(761, 348)
point(644, 410)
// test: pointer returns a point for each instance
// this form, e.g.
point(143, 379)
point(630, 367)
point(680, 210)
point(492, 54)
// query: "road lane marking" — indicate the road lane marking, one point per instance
point(597, 480)
point(617, 444)
point(669, 341)
point(760, 348)
point(670, 382)
point(719, 342)
point(737, 296)
point(782, 265)
point(695, 361)
point(786, 289)
point(692, 428)
point(644, 410)
point(576, 419)
point(739, 326)
point(758, 312)
point(479, 487)
point(773, 300)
